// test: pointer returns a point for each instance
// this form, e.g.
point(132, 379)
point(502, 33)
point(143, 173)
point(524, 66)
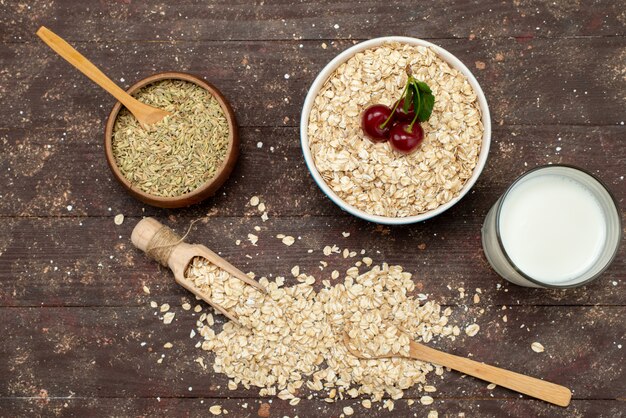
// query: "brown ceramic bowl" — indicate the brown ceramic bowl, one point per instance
point(207, 189)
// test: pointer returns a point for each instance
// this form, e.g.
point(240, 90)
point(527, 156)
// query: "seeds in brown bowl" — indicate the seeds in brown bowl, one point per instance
point(178, 154)
point(372, 177)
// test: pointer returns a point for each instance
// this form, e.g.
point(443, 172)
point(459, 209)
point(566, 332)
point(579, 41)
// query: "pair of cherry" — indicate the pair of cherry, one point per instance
point(381, 123)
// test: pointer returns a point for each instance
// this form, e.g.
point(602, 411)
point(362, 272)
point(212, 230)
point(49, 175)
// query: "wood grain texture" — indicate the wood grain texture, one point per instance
point(518, 382)
point(91, 262)
point(72, 310)
point(198, 407)
point(530, 82)
point(237, 20)
point(98, 352)
point(145, 114)
point(36, 181)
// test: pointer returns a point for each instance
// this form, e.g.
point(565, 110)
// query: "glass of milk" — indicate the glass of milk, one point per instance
point(556, 226)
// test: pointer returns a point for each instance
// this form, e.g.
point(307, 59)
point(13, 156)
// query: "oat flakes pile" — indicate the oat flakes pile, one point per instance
point(293, 337)
point(217, 284)
point(372, 177)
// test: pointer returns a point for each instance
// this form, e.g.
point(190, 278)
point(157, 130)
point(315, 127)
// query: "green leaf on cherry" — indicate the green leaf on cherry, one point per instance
point(423, 99)
point(428, 102)
point(423, 87)
point(417, 100)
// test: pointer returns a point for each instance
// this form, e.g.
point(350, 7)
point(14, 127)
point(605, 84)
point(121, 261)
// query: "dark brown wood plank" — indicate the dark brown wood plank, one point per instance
point(198, 407)
point(529, 82)
point(43, 171)
point(97, 352)
point(242, 20)
point(72, 310)
point(91, 262)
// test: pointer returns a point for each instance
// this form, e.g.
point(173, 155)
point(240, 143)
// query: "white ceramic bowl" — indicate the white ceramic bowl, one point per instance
point(326, 73)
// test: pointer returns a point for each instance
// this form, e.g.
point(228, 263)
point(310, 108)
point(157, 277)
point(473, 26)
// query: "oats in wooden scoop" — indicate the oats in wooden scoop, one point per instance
point(180, 153)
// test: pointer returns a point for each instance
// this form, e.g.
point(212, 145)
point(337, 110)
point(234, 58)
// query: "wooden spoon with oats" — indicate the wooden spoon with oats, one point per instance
point(146, 115)
point(537, 388)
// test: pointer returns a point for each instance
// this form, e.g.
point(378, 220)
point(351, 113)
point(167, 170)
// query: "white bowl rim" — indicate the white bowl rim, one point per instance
point(325, 74)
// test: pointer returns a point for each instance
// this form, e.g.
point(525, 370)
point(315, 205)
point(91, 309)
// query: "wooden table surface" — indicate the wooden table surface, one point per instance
point(79, 336)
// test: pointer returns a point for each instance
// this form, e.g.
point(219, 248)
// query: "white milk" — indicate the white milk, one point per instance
point(552, 228)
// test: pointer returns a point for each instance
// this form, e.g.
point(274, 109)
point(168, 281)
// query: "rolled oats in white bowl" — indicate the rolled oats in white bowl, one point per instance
point(371, 180)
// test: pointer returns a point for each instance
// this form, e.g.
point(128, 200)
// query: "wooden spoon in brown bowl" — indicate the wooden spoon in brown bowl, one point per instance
point(145, 114)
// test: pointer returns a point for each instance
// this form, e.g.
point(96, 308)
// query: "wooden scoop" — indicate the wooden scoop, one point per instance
point(537, 388)
point(146, 115)
point(150, 235)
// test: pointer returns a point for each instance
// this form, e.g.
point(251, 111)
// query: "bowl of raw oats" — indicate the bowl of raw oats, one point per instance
point(371, 179)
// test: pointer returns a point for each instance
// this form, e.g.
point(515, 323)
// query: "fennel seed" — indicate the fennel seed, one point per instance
point(178, 154)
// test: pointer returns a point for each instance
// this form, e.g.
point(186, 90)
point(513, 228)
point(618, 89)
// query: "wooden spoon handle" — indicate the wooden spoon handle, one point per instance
point(537, 388)
point(82, 64)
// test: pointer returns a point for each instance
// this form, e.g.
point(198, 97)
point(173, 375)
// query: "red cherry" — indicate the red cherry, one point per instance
point(400, 114)
point(371, 122)
point(404, 139)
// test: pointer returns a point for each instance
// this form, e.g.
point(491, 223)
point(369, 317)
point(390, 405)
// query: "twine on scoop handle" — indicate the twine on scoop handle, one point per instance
point(168, 248)
point(162, 244)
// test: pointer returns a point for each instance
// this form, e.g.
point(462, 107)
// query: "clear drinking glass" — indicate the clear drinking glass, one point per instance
point(533, 214)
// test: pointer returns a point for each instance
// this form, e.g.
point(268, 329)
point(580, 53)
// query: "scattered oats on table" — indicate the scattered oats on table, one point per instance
point(293, 336)
point(215, 409)
point(472, 329)
point(288, 240)
point(537, 347)
point(119, 219)
point(388, 403)
point(373, 177)
point(253, 238)
point(168, 318)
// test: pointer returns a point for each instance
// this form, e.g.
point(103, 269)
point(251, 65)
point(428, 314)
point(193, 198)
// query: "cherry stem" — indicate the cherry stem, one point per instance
point(419, 101)
point(382, 126)
point(412, 123)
